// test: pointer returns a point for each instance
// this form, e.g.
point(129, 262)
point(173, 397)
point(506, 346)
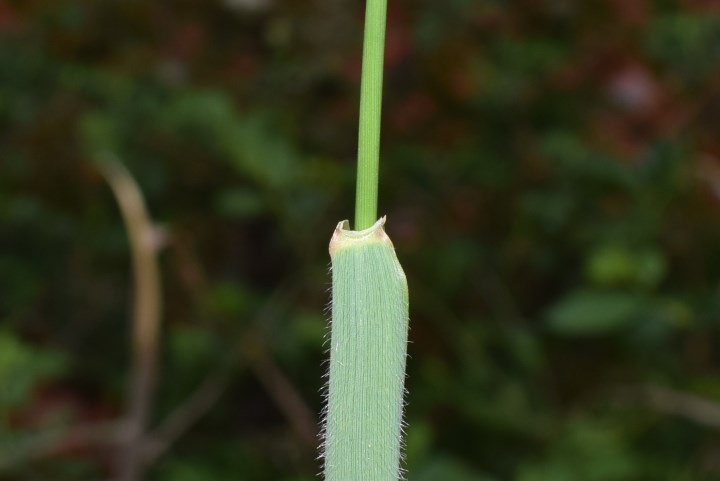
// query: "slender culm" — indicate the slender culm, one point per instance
point(363, 421)
point(366, 194)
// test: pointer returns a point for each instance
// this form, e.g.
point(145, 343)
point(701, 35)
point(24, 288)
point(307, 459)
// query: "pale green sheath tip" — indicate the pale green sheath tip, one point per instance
point(368, 346)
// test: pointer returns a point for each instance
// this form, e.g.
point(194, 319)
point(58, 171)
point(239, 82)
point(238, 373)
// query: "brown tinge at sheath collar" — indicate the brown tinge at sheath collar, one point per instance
point(343, 236)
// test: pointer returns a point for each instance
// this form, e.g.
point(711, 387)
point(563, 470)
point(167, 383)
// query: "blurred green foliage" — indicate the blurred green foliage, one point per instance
point(550, 173)
point(21, 368)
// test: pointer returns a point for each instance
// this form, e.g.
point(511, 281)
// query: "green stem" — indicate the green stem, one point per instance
point(366, 194)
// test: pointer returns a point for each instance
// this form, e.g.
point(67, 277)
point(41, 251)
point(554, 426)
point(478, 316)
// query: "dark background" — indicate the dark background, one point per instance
point(551, 176)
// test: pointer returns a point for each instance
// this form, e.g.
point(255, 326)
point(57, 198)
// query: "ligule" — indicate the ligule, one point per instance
point(368, 346)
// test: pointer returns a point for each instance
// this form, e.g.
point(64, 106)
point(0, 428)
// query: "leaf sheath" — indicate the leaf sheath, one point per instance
point(363, 423)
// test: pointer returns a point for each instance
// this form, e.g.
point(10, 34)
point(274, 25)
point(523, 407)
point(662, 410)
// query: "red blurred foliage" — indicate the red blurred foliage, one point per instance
point(67, 406)
point(9, 18)
point(634, 12)
point(411, 111)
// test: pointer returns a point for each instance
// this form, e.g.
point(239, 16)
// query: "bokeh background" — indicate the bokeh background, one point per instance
point(551, 176)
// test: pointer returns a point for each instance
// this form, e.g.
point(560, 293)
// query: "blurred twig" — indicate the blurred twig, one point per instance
point(253, 347)
point(178, 422)
point(202, 400)
point(278, 386)
point(146, 313)
point(137, 447)
point(49, 442)
point(667, 401)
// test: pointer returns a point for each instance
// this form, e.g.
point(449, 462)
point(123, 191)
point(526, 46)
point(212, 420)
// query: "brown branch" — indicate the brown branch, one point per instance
point(667, 401)
point(178, 422)
point(202, 400)
point(50, 442)
point(283, 393)
point(251, 350)
point(281, 390)
point(146, 313)
point(138, 449)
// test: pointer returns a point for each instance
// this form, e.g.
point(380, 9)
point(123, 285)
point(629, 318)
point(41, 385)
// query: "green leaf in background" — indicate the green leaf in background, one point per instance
point(687, 42)
point(446, 468)
point(21, 368)
point(615, 265)
point(230, 299)
point(228, 460)
point(188, 470)
point(240, 203)
point(19, 284)
point(593, 312)
point(588, 451)
point(191, 345)
point(99, 133)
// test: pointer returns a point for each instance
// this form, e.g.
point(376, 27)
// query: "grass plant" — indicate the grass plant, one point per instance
point(368, 345)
